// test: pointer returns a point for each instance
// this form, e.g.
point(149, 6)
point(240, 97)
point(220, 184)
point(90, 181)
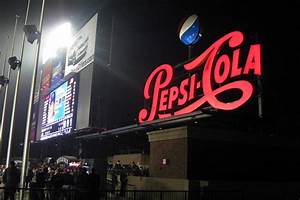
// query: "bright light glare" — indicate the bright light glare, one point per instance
point(60, 37)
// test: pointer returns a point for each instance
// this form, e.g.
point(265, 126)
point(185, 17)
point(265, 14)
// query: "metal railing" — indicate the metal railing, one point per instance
point(89, 194)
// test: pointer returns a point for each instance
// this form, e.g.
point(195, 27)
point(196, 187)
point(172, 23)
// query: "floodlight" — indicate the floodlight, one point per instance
point(3, 80)
point(60, 37)
point(31, 33)
point(14, 62)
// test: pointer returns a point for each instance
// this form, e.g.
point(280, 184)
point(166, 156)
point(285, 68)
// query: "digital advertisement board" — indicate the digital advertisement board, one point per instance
point(59, 110)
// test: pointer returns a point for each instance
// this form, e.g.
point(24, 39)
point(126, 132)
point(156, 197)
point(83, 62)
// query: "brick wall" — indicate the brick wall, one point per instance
point(175, 151)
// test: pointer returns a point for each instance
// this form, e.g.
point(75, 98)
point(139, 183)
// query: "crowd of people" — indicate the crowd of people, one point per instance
point(53, 182)
point(117, 170)
point(119, 175)
point(131, 169)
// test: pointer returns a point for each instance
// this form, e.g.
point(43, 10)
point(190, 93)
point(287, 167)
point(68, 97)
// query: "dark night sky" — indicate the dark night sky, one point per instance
point(145, 37)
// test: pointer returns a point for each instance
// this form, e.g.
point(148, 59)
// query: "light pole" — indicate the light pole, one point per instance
point(5, 56)
point(6, 87)
point(16, 93)
point(3, 79)
point(29, 110)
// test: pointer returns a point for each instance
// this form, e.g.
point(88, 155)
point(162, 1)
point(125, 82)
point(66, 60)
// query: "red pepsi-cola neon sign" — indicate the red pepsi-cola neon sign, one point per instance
point(218, 71)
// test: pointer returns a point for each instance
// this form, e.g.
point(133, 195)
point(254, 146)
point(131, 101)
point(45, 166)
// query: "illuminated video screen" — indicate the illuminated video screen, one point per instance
point(59, 110)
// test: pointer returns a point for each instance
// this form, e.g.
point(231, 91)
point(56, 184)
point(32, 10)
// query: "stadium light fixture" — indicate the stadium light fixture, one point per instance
point(60, 37)
point(3, 80)
point(14, 62)
point(31, 33)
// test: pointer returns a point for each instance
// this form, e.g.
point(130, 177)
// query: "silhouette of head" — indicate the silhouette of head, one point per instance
point(12, 163)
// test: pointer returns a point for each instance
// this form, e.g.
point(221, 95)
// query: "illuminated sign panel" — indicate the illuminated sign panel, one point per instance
point(219, 73)
point(81, 52)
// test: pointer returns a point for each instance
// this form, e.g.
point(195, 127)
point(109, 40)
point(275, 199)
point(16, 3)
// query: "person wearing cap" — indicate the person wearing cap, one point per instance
point(11, 179)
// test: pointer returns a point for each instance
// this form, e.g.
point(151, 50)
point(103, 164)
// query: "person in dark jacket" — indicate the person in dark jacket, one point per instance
point(11, 179)
point(81, 183)
point(57, 182)
point(94, 184)
point(41, 178)
point(29, 177)
point(123, 180)
point(114, 181)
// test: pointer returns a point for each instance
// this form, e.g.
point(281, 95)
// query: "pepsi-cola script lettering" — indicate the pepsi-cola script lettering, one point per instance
point(217, 70)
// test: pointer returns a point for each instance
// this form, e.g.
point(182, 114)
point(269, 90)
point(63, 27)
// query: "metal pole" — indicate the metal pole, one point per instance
point(12, 121)
point(6, 87)
point(4, 63)
point(190, 52)
point(260, 98)
point(260, 90)
point(1, 85)
point(16, 94)
point(3, 109)
point(3, 66)
point(1, 74)
point(29, 111)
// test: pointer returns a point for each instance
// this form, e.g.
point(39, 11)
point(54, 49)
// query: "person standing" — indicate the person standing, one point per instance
point(114, 181)
point(29, 177)
point(118, 167)
point(41, 178)
point(94, 184)
point(81, 182)
point(123, 180)
point(57, 181)
point(11, 180)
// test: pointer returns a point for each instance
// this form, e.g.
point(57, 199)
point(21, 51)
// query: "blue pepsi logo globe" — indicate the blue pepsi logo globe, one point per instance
point(189, 31)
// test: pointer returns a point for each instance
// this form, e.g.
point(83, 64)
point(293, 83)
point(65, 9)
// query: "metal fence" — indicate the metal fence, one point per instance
point(82, 194)
point(182, 195)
